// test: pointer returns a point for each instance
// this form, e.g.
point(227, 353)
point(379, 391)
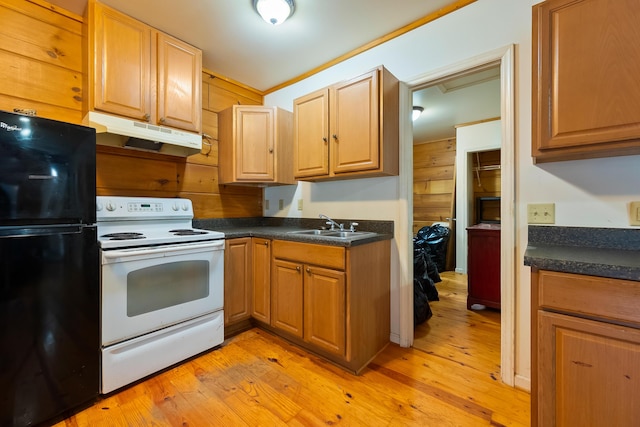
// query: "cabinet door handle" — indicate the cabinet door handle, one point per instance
point(270, 150)
point(335, 137)
point(147, 117)
point(298, 268)
point(324, 138)
point(266, 243)
point(308, 270)
point(162, 120)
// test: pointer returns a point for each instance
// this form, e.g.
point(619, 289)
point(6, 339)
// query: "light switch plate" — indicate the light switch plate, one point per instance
point(299, 204)
point(634, 213)
point(541, 213)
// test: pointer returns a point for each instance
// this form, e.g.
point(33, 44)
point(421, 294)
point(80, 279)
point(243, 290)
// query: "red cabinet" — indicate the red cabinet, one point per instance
point(483, 265)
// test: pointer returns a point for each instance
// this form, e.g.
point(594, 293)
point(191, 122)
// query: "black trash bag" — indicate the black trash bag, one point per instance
point(436, 237)
point(426, 272)
point(421, 308)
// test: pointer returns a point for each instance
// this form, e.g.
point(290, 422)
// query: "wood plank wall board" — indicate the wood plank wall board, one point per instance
point(41, 57)
point(219, 94)
point(224, 205)
point(433, 181)
point(42, 68)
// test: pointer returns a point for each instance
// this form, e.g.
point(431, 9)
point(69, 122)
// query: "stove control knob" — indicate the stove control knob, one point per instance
point(99, 206)
point(111, 206)
point(175, 207)
point(185, 207)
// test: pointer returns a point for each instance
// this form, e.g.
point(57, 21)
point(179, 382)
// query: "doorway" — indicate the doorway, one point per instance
point(504, 58)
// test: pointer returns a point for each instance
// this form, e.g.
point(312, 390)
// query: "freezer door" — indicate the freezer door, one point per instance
point(47, 171)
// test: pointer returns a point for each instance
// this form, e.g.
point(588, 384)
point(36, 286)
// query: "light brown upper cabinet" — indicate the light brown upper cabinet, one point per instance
point(138, 72)
point(348, 130)
point(586, 90)
point(255, 145)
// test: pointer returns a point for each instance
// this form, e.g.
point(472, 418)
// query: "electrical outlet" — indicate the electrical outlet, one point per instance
point(299, 204)
point(266, 204)
point(634, 213)
point(541, 213)
point(280, 204)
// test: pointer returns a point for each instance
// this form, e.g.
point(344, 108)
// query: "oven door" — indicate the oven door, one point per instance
point(147, 289)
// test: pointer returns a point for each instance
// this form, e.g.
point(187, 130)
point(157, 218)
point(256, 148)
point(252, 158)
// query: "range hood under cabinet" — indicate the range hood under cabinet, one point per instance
point(121, 132)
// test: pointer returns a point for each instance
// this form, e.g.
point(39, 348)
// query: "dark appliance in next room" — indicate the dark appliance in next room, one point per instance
point(49, 269)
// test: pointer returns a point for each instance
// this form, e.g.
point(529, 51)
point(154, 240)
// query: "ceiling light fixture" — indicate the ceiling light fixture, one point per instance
point(275, 12)
point(416, 112)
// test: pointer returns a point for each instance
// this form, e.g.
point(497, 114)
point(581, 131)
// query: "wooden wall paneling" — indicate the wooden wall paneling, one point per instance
point(207, 156)
point(45, 11)
point(197, 178)
point(41, 57)
point(41, 39)
point(434, 186)
point(437, 153)
point(223, 94)
point(131, 171)
point(29, 79)
point(210, 123)
point(49, 111)
point(433, 182)
point(224, 205)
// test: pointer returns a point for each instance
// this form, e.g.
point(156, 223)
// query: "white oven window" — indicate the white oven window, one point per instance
point(165, 285)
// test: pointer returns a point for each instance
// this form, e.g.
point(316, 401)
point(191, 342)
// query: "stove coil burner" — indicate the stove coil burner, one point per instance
point(186, 232)
point(124, 236)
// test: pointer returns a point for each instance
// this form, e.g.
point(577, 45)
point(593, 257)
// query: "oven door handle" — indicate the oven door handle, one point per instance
point(217, 245)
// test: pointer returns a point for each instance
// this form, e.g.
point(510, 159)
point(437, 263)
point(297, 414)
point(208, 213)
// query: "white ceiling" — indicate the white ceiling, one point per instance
point(238, 44)
point(459, 100)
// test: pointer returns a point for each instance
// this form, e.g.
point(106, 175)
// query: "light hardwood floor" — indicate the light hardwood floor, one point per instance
point(450, 378)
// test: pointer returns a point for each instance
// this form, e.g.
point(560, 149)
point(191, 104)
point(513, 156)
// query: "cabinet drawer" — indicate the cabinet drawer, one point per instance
point(309, 253)
point(598, 297)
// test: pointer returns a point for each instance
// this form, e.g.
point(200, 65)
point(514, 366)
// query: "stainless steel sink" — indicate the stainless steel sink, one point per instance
point(336, 234)
point(313, 232)
point(350, 234)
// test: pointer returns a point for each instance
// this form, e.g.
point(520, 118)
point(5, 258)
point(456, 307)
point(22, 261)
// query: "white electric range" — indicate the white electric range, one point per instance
point(161, 286)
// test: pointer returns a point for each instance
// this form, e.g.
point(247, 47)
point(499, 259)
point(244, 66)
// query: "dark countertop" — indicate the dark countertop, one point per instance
point(280, 228)
point(602, 252)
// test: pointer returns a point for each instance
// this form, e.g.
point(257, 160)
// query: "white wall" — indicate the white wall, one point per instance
point(591, 193)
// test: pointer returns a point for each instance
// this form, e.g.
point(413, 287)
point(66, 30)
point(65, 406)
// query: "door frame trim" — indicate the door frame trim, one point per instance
point(505, 56)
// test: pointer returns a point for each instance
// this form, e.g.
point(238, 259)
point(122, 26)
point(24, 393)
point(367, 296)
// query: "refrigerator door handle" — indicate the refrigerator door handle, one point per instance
point(47, 230)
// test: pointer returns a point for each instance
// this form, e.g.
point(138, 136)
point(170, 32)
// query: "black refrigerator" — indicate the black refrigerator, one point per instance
point(49, 270)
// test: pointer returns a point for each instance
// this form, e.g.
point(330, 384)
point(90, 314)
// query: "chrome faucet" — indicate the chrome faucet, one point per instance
point(332, 222)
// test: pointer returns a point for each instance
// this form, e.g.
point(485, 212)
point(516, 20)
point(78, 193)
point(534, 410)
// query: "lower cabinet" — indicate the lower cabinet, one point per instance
point(586, 350)
point(309, 303)
point(287, 295)
point(247, 283)
point(261, 279)
point(333, 301)
point(483, 265)
point(237, 281)
point(325, 309)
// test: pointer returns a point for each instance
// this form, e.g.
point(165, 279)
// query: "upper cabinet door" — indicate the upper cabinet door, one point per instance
point(586, 90)
point(354, 122)
point(179, 84)
point(311, 135)
point(122, 65)
point(254, 141)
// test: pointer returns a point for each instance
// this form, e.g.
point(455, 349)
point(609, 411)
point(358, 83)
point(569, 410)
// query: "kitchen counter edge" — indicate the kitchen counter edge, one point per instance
point(601, 252)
